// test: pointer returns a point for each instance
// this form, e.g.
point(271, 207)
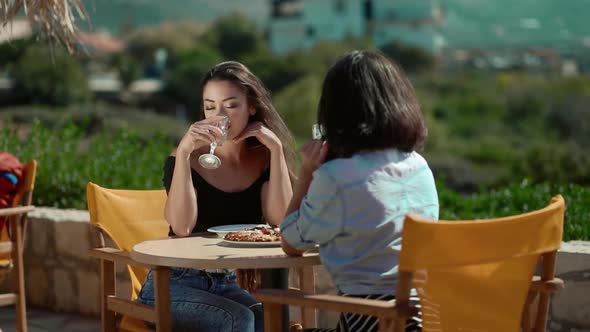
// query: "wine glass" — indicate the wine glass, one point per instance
point(210, 160)
point(317, 131)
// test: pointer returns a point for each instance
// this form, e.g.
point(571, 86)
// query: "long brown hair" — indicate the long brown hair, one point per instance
point(259, 97)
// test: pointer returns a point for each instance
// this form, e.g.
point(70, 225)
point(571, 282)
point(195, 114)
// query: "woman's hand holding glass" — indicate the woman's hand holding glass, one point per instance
point(210, 160)
point(313, 153)
point(199, 134)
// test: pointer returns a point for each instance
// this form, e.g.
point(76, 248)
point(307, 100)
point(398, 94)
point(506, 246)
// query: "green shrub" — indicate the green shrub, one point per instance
point(235, 36)
point(68, 160)
point(123, 159)
point(411, 59)
point(129, 68)
point(41, 76)
point(519, 198)
point(183, 81)
point(298, 105)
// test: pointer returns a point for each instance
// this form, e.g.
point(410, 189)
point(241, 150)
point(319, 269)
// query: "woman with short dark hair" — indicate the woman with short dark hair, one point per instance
point(367, 104)
point(358, 182)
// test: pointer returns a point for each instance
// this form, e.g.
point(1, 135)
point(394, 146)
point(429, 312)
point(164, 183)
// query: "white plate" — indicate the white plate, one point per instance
point(245, 244)
point(222, 230)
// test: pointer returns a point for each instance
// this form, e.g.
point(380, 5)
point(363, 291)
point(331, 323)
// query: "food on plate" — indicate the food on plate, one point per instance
point(255, 234)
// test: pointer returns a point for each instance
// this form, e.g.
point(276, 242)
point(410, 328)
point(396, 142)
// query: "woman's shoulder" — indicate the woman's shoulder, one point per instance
point(362, 165)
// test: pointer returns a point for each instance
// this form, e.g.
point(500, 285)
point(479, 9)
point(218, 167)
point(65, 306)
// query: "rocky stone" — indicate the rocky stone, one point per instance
point(88, 292)
point(37, 284)
point(72, 239)
point(66, 291)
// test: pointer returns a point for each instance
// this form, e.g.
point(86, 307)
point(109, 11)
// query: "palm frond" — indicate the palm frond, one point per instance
point(54, 19)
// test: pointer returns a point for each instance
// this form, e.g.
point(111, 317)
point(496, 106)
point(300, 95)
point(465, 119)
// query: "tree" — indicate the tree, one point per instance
point(55, 19)
point(128, 68)
point(183, 80)
point(412, 59)
point(235, 36)
point(50, 77)
point(175, 37)
point(12, 51)
point(276, 72)
point(298, 105)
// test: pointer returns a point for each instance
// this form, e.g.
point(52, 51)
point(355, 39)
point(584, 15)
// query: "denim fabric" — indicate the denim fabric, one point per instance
point(202, 301)
point(354, 210)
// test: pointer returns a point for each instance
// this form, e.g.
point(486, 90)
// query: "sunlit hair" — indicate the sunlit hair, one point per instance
point(258, 96)
point(368, 103)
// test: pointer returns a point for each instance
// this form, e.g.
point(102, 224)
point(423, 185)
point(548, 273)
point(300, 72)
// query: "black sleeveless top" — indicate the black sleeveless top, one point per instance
point(218, 207)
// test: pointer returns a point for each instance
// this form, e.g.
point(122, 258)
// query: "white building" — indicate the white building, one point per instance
point(411, 22)
point(18, 29)
point(299, 24)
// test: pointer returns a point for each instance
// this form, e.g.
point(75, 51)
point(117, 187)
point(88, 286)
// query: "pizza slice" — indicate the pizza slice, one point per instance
point(256, 234)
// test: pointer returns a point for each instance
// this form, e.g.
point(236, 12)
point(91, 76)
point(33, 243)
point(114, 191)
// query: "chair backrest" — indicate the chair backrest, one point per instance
point(475, 275)
point(128, 217)
point(23, 197)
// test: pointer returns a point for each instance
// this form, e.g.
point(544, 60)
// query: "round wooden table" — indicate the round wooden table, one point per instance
point(206, 251)
point(210, 252)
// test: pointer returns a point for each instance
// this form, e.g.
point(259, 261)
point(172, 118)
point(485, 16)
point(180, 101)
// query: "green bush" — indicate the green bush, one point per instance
point(128, 68)
point(298, 104)
point(11, 52)
point(174, 37)
point(183, 81)
point(411, 59)
point(276, 72)
point(235, 36)
point(68, 160)
point(519, 198)
point(46, 77)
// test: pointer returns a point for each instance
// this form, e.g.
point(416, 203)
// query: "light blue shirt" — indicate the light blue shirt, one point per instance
point(354, 210)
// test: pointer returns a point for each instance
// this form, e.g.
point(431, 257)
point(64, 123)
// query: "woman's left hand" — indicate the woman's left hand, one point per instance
point(263, 134)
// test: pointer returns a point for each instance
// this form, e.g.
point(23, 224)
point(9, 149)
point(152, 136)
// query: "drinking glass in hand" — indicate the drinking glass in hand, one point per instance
point(210, 160)
point(317, 131)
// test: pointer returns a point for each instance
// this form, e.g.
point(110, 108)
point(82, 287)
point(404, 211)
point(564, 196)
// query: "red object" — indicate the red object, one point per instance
point(8, 164)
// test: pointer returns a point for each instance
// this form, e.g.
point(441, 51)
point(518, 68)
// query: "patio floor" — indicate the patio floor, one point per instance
point(42, 320)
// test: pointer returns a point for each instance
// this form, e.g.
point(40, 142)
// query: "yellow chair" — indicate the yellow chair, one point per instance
point(470, 275)
point(11, 245)
point(129, 217)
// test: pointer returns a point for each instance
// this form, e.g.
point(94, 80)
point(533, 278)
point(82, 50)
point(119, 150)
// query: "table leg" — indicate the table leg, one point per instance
point(278, 279)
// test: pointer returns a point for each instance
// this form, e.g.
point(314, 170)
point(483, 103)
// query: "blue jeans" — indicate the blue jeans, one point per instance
point(202, 301)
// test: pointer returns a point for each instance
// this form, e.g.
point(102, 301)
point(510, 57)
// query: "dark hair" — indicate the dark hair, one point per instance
point(368, 103)
point(258, 96)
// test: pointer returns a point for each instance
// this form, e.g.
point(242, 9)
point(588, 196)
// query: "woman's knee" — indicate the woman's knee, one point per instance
point(244, 319)
point(214, 316)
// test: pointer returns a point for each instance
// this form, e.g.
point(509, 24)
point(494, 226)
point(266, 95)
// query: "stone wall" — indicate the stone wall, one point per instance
point(570, 308)
point(61, 276)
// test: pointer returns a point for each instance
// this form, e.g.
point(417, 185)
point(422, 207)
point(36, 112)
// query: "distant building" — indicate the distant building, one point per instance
point(532, 60)
point(101, 43)
point(18, 29)
point(300, 24)
point(411, 22)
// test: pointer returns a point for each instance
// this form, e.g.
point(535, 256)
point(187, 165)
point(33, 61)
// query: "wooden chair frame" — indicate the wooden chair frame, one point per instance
point(112, 306)
point(17, 223)
point(393, 315)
